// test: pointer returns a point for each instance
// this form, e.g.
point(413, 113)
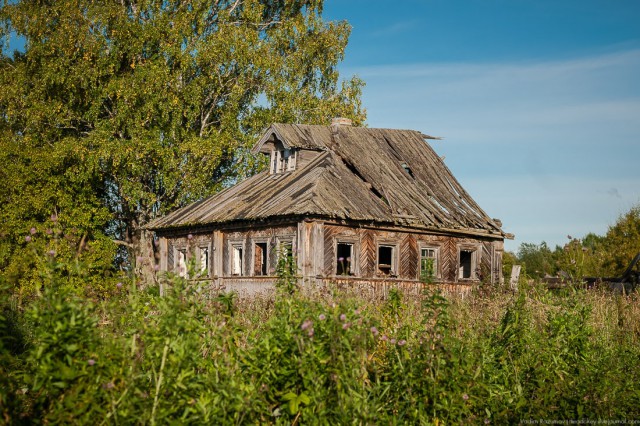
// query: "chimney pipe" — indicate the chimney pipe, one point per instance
point(341, 121)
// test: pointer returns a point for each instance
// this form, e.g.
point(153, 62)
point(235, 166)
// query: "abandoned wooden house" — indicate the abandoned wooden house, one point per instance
point(354, 205)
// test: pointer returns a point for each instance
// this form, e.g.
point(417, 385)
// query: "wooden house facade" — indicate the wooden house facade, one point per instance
point(357, 206)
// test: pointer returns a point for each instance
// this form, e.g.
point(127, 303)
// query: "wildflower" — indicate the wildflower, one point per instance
point(306, 324)
point(139, 259)
point(190, 236)
point(343, 317)
point(322, 317)
point(109, 385)
point(51, 253)
point(91, 362)
point(119, 285)
point(54, 217)
point(33, 231)
point(392, 341)
point(384, 338)
point(156, 267)
point(310, 333)
point(465, 396)
point(346, 325)
point(374, 331)
point(402, 342)
point(487, 421)
point(28, 238)
point(341, 259)
point(49, 231)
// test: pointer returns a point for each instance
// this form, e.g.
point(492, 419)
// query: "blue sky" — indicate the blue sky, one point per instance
point(538, 102)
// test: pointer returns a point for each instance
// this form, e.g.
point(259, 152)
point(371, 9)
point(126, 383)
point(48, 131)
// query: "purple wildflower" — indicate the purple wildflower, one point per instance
point(33, 231)
point(91, 362)
point(392, 341)
point(341, 259)
point(54, 217)
point(306, 324)
point(384, 337)
point(190, 236)
point(346, 325)
point(28, 238)
point(402, 342)
point(51, 253)
point(119, 285)
point(322, 317)
point(311, 333)
point(343, 317)
point(465, 396)
point(139, 259)
point(156, 267)
point(374, 331)
point(49, 231)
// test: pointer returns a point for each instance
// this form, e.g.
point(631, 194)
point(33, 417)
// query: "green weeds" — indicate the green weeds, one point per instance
point(191, 357)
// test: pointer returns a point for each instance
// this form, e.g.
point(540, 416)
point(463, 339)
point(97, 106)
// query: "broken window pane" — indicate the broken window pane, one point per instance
point(236, 261)
point(204, 261)
point(260, 259)
point(385, 260)
point(466, 264)
point(344, 259)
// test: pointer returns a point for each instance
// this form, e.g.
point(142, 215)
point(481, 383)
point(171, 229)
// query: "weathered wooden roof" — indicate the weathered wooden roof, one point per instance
point(376, 175)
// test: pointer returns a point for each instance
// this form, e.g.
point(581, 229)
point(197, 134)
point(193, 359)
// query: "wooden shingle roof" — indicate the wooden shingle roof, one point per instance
point(382, 176)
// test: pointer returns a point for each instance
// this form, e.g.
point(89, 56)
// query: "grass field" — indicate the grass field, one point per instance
point(319, 357)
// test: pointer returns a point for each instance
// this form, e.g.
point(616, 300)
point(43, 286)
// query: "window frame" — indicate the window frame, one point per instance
point(265, 257)
point(438, 264)
point(354, 270)
point(393, 271)
point(234, 245)
point(475, 251)
point(199, 248)
point(177, 257)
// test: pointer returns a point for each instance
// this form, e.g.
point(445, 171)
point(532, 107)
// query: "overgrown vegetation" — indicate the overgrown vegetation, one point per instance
point(591, 256)
point(319, 356)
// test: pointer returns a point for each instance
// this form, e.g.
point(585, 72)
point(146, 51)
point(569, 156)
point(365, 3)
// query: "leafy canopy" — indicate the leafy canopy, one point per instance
point(117, 112)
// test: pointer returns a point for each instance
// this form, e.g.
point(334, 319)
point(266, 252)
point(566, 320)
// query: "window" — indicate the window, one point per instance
point(283, 160)
point(429, 263)
point(236, 260)
point(181, 262)
point(386, 260)
point(467, 264)
point(344, 262)
point(204, 261)
point(260, 259)
point(285, 249)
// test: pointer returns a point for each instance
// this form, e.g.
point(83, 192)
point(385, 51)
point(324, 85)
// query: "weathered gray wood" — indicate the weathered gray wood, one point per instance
point(515, 277)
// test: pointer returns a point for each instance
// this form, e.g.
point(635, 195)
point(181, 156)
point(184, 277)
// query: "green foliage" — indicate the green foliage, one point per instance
point(286, 270)
point(621, 242)
point(325, 358)
point(116, 113)
point(592, 256)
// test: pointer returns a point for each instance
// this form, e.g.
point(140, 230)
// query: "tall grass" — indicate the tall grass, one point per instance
point(317, 356)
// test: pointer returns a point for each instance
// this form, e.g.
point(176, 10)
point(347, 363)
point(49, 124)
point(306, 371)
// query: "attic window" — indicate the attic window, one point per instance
point(283, 160)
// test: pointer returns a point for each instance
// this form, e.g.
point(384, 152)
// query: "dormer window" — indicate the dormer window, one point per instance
point(283, 160)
